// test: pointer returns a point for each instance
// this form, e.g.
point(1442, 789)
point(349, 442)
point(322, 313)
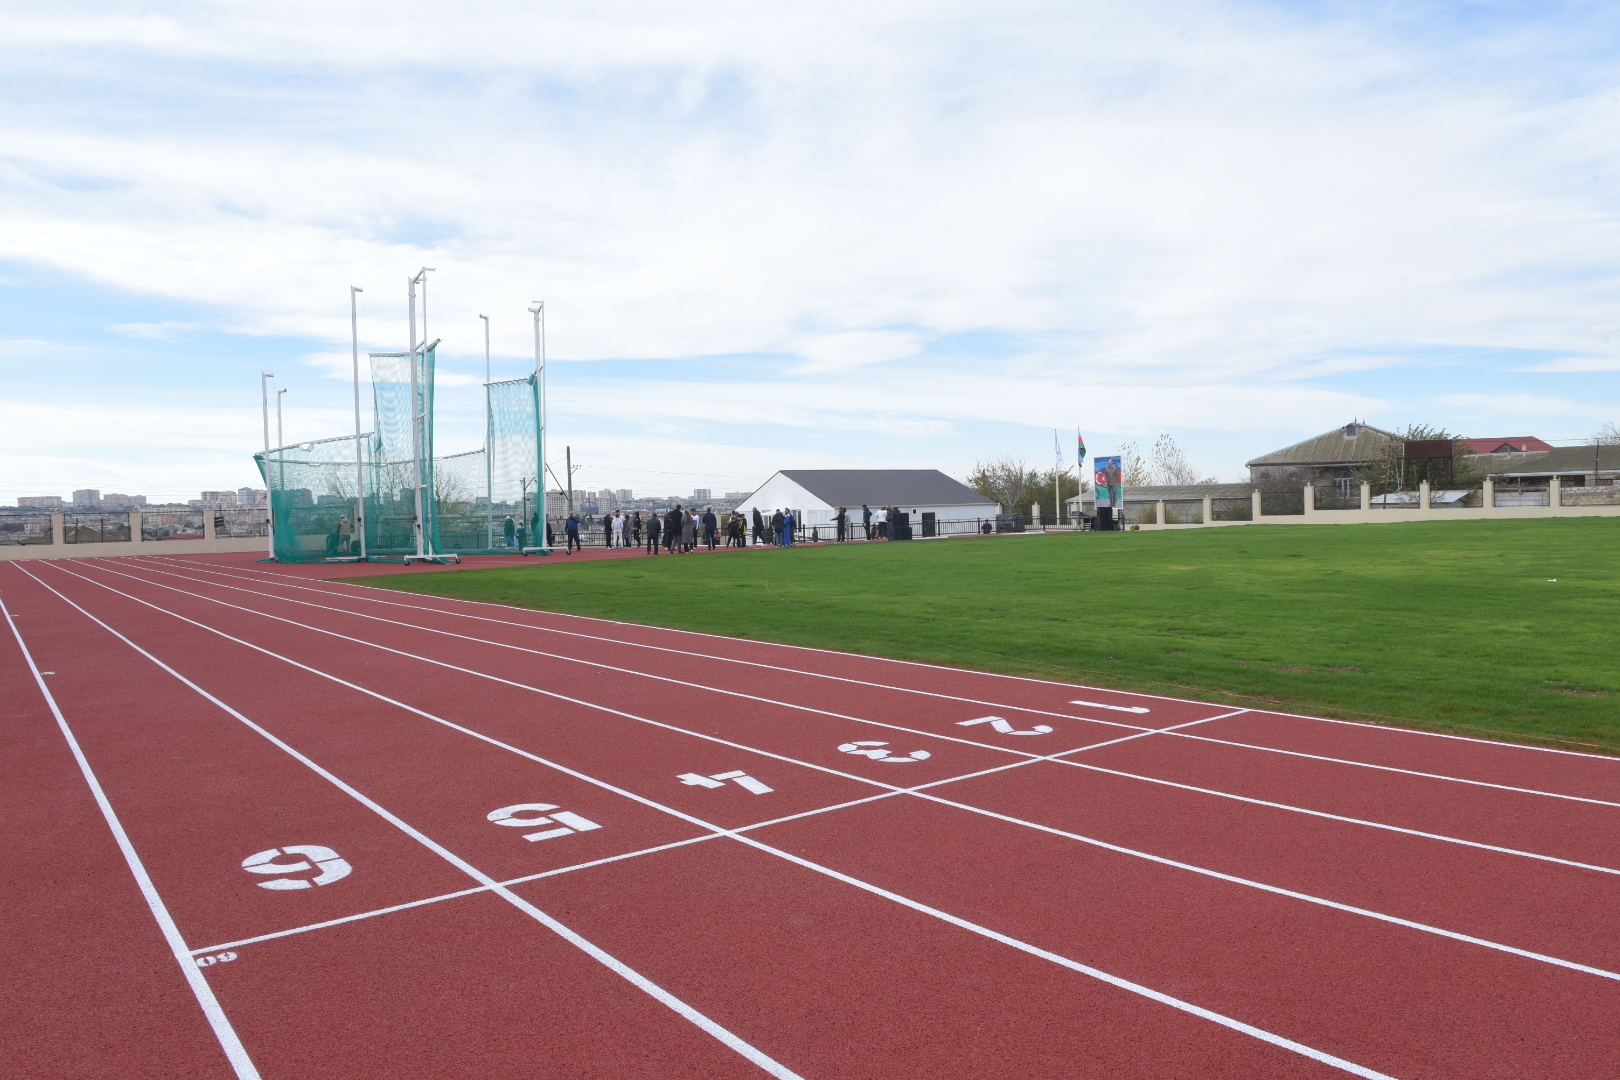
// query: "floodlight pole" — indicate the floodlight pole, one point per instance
point(269, 518)
point(359, 466)
point(489, 442)
point(281, 440)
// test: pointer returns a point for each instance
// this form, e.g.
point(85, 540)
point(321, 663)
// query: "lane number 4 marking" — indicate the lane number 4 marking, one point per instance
point(1005, 727)
point(568, 822)
point(332, 867)
point(742, 780)
point(877, 753)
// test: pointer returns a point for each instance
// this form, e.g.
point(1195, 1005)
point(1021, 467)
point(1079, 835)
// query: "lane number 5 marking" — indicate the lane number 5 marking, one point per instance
point(332, 867)
point(570, 822)
point(876, 753)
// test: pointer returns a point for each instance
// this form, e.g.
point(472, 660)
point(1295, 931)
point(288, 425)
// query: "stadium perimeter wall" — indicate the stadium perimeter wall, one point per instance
point(58, 548)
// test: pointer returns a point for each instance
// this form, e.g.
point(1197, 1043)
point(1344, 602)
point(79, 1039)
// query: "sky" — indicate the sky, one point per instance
point(831, 235)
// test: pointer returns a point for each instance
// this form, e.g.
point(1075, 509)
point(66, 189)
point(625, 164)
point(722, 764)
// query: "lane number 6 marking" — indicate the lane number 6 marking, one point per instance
point(332, 867)
point(570, 822)
point(876, 753)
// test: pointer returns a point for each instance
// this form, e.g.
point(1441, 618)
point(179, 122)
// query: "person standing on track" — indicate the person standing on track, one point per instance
point(787, 528)
point(841, 523)
point(759, 527)
point(711, 527)
point(776, 527)
point(689, 524)
point(509, 530)
point(866, 520)
point(570, 532)
point(618, 528)
point(635, 528)
point(652, 533)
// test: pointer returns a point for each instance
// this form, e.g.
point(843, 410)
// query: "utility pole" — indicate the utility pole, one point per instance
point(489, 442)
point(269, 518)
point(569, 461)
point(359, 466)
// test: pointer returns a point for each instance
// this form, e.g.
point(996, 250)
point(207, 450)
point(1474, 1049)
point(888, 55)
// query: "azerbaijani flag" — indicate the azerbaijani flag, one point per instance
point(1080, 448)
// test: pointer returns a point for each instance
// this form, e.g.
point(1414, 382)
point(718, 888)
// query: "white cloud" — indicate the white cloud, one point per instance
point(158, 331)
point(1161, 214)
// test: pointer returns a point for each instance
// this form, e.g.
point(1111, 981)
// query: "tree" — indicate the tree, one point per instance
point(1005, 480)
point(1609, 433)
point(1134, 471)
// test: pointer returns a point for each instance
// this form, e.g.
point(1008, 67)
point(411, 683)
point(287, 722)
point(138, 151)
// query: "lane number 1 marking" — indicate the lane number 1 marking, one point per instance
point(569, 822)
point(1138, 709)
point(876, 753)
point(332, 867)
point(742, 780)
point(1005, 727)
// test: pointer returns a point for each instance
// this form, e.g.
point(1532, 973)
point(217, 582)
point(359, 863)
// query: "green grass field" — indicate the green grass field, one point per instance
point(1450, 626)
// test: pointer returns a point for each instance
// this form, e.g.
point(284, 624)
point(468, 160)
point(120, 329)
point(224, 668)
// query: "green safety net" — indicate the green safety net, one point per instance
point(468, 499)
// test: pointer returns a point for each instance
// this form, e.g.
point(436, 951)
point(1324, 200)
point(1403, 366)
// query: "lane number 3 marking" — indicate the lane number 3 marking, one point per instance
point(875, 751)
point(568, 821)
point(332, 867)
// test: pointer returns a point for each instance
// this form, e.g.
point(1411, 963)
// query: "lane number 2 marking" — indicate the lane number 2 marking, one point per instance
point(877, 753)
point(740, 778)
point(332, 867)
point(1005, 727)
point(568, 822)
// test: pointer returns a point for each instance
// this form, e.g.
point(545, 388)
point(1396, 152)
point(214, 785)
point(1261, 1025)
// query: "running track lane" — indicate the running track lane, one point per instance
point(577, 992)
point(1543, 768)
point(92, 990)
point(1311, 935)
point(1251, 1059)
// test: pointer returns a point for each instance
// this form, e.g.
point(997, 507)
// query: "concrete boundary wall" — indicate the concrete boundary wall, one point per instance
point(1367, 515)
point(58, 548)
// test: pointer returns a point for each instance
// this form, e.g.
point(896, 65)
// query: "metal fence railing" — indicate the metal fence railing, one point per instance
point(1522, 495)
point(239, 521)
point(172, 524)
point(110, 528)
point(20, 527)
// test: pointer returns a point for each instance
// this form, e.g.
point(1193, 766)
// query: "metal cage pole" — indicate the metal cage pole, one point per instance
point(359, 466)
point(539, 312)
point(269, 518)
point(489, 443)
point(416, 425)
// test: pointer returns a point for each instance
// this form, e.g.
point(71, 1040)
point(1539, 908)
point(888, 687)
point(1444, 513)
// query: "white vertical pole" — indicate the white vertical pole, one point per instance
point(281, 440)
point(539, 312)
point(270, 521)
point(489, 442)
point(359, 466)
point(416, 428)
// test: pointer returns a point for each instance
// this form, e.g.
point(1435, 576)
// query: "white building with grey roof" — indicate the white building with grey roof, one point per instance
point(928, 496)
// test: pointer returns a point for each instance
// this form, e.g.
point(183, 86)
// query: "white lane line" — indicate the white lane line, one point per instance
point(145, 564)
point(674, 1003)
point(1143, 731)
point(1074, 965)
point(548, 655)
point(1061, 759)
point(235, 1052)
point(1405, 772)
point(601, 956)
point(918, 793)
point(284, 579)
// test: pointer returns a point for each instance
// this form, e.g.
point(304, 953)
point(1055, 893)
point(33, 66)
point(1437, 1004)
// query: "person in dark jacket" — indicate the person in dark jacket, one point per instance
point(509, 530)
point(672, 529)
point(866, 520)
point(607, 530)
point(759, 527)
point(571, 533)
point(711, 527)
point(653, 529)
point(841, 521)
point(635, 528)
point(776, 527)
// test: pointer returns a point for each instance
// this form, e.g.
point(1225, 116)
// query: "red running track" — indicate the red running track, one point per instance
point(285, 847)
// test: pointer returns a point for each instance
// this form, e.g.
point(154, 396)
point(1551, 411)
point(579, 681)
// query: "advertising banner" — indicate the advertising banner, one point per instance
point(1110, 485)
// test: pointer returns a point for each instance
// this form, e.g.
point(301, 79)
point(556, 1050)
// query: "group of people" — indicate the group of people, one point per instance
point(683, 529)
